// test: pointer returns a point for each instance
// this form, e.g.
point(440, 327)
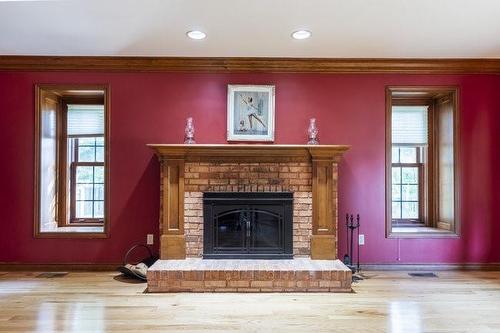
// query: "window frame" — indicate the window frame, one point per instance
point(62, 197)
point(421, 220)
point(73, 221)
point(424, 95)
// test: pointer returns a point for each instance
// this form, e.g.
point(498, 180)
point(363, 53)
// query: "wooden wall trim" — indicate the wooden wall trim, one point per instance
point(92, 267)
point(431, 267)
point(58, 267)
point(269, 65)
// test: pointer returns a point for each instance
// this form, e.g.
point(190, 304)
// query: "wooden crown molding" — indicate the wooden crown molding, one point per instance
point(248, 152)
point(268, 65)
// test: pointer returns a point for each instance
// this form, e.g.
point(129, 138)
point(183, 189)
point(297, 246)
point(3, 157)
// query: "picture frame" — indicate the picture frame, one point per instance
point(250, 113)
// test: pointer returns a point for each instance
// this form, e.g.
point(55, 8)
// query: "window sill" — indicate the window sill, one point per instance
point(73, 232)
point(420, 232)
point(85, 225)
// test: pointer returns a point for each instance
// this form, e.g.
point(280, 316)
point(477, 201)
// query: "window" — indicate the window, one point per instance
point(86, 159)
point(407, 185)
point(87, 180)
point(409, 148)
point(72, 156)
point(422, 175)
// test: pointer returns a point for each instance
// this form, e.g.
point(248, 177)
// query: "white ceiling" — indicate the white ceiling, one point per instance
point(253, 28)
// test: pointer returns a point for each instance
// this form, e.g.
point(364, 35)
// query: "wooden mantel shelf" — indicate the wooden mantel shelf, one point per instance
point(249, 152)
point(322, 158)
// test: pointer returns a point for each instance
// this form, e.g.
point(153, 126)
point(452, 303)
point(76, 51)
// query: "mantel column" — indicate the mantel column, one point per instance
point(324, 193)
point(173, 241)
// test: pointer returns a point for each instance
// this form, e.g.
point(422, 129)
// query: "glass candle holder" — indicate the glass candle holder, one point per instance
point(189, 131)
point(313, 132)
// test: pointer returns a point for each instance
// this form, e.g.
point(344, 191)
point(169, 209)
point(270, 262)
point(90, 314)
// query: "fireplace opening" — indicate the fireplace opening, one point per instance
point(253, 225)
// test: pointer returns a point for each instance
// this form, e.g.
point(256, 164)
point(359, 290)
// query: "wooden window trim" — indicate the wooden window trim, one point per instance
point(63, 91)
point(62, 165)
point(430, 94)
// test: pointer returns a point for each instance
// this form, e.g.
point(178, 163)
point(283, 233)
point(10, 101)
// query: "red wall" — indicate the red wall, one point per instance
point(152, 108)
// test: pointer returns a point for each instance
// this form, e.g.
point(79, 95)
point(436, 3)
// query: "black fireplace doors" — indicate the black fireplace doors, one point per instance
point(248, 225)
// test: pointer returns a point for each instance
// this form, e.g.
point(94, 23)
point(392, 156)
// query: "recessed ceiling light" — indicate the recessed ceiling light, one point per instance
point(196, 34)
point(301, 34)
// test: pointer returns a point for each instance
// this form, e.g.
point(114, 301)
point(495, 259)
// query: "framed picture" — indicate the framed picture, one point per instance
point(250, 113)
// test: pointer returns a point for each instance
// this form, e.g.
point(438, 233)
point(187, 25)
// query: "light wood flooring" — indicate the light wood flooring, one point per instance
point(386, 302)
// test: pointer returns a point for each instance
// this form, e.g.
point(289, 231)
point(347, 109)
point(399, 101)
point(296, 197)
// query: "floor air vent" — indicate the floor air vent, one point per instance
point(426, 274)
point(50, 275)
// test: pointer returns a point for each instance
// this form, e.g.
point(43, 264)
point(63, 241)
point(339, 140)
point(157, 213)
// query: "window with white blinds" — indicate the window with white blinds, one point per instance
point(409, 125)
point(85, 120)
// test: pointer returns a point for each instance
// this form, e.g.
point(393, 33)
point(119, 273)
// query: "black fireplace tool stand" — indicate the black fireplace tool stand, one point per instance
point(351, 226)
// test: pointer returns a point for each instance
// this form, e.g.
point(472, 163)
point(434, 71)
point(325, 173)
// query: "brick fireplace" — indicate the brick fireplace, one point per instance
point(292, 177)
point(308, 172)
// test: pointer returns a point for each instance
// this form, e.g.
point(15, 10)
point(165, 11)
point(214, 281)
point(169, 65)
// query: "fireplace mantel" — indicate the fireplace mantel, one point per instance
point(249, 152)
point(323, 160)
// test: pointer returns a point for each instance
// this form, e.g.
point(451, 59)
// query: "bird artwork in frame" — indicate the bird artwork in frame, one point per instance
point(250, 113)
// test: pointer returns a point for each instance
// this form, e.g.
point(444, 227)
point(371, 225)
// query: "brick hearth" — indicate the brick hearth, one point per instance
point(221, 275)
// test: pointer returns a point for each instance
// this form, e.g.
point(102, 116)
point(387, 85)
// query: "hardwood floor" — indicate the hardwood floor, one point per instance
point(385, 302)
